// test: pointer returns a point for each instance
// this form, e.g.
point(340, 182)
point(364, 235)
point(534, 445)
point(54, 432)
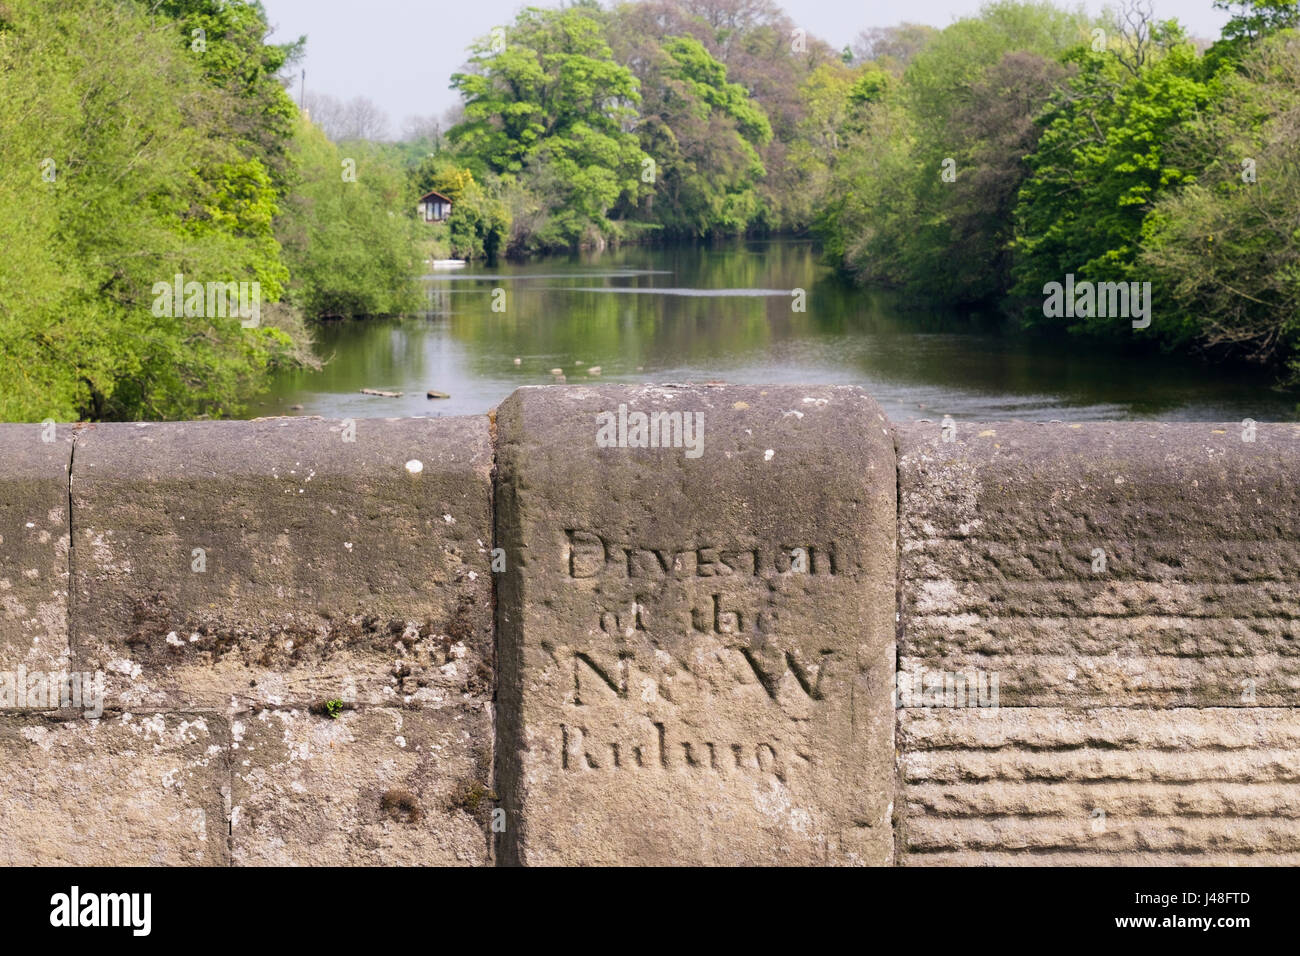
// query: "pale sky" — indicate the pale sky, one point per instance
point(401, 53)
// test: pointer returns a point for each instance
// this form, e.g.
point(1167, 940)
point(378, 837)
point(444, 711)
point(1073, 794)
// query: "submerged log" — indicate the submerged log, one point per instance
point(381, 394)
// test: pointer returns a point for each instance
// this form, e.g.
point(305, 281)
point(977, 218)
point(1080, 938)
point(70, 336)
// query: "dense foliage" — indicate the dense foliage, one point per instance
point(140, 141)
point(1027, 145)
point(971, 166)
point(674, 118)
point(347, 236)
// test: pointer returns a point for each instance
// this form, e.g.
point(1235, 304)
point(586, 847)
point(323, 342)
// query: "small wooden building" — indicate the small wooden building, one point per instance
point(434, 206)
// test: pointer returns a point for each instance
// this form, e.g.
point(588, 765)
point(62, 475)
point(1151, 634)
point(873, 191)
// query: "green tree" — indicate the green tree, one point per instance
point(441, 173)
point(1254, 19)
point(348, 231)
point(703, 135)
point(930, 164)
point(116, 173)
point(479, 224)
point(1224, 252)
point(1102, 164)
point(553, 107)
point(227, 39)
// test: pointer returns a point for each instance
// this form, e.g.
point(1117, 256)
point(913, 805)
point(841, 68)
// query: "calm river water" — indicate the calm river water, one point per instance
point(699, 313)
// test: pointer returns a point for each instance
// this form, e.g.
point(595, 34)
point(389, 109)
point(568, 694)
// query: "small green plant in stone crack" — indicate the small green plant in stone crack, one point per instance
point(330, 709)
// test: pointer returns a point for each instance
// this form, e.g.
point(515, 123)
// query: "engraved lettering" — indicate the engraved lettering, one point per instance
point(809, 679)
point(716, 620)
point(614, 678)
point(580, 748)
point(586, 554)
point(589, 554)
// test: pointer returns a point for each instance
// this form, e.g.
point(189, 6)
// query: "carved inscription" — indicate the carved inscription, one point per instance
point(780, 674)
point(663, 748)
point(693, 648)
point(698, 651)
point(591, 554)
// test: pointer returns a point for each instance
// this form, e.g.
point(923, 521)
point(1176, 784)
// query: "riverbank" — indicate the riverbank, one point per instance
point(726, 312)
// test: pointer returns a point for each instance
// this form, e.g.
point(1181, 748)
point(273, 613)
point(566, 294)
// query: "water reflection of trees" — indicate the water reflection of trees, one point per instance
point(847, 334)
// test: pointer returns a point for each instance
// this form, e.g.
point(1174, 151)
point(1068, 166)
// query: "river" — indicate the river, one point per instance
point(726, 313)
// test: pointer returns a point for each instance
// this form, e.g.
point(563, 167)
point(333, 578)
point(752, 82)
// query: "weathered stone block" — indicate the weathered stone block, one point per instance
point(697, 639)
point(34, 548)
point(1171, 787)
point(128, 790)
point(1104, 564)
point(234, 564)
point(381, 786)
